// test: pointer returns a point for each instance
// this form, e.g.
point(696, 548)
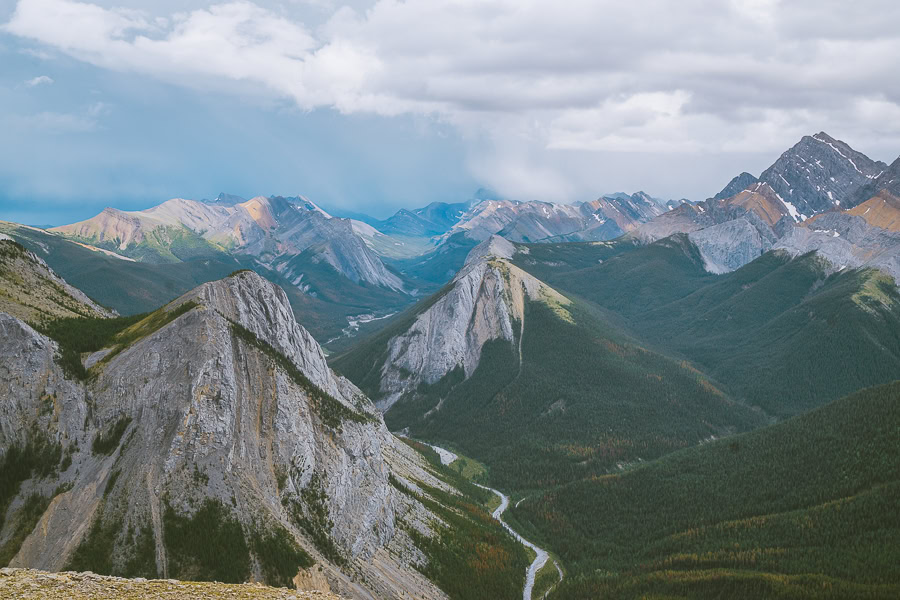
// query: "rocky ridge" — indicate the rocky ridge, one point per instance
point(229, 403)
point(527, 222)
point(273, 230)
point(484, 302)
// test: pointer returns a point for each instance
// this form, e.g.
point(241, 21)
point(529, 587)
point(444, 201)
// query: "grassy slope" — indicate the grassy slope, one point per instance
point(754, 329)
point(164, 245)
point(807, 508)
point(129, 287)
point(28, 293)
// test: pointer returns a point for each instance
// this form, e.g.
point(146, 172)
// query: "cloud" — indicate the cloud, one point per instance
point(54, 122)
point(39, 80)
point(524, 79)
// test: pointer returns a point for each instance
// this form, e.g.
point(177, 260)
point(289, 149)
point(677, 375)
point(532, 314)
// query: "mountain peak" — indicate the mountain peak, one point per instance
point(226, 199)
point(737, 184)
point(260, 211)
point(823, 137)
point(493, 247)
point(263, 308)
point(819, 173)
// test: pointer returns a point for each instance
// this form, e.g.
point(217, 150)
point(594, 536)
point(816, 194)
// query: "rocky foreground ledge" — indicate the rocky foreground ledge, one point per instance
point(32, 584)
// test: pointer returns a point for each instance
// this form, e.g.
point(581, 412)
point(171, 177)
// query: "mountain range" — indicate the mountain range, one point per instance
point(681, 399)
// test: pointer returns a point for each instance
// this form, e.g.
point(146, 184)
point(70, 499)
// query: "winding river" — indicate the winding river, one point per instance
point(542, 557)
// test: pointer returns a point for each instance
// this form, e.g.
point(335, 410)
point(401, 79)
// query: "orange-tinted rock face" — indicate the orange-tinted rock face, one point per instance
point(259, 210)
point(762, 200)
point(881, 211)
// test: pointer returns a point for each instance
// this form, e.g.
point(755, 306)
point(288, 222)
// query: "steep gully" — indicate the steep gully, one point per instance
point(542, 557)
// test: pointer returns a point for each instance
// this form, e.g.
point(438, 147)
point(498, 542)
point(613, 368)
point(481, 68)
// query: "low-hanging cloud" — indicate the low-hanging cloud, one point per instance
point(523, 78)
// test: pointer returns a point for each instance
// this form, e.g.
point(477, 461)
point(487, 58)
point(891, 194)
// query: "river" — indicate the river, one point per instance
point(542, 557)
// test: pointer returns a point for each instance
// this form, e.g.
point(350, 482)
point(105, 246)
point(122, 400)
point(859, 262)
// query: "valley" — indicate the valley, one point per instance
point(541, 557)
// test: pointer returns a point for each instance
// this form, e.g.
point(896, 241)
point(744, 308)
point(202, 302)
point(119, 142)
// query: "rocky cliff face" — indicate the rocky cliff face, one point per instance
point(819, 173)
point(484, 302)
point(846, 240)
point(230, 409)
point(730, 245)
point(886, 186)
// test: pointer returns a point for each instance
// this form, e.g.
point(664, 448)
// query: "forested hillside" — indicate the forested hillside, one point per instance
point(579, 400)
point(783, 334)
point(808, 508)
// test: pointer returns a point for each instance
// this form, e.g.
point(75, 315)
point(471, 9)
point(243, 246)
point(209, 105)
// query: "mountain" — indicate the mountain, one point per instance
point(431, 220)
point(33, 292)
point(819, 173)
point(331, 306)
point(751, 329)
point(335, 268)
point(605, 218)
point(802, 509)
point(538, 385)
point(479, 305)
point(738, 184)
point(729, 232)
point(209, 440)
point(270, 229)
point(886, 185)
point(758, 202)
point(866, 235)
point(812, 180)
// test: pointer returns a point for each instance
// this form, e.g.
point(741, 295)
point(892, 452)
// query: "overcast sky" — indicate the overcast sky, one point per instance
point(372, 106)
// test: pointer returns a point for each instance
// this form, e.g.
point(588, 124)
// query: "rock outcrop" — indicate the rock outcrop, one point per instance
point(228, 408)
point(484, 302)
